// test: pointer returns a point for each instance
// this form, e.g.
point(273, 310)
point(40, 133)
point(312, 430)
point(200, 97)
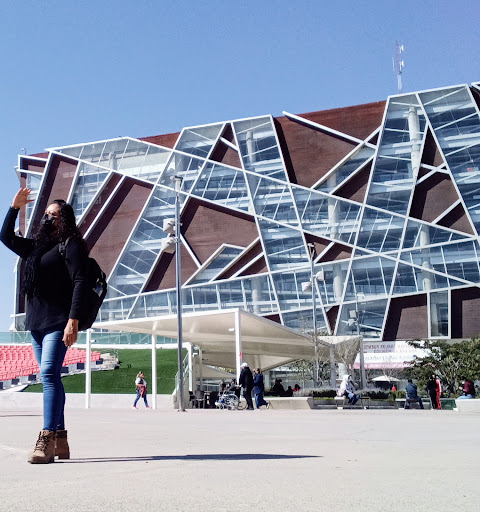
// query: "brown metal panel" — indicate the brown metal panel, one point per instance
point(432, 197)
point(206, 227)
point(257, 267)
point(319, 243)
point(57, 183)
point(407, 318)
point(337, 252)
point(110, 233)
point(225, 155)
point(28, 164)
point(431, 153)
point(164, 276)
point(457, 219)
point(465, 316)
point(274, 318)
point(356, 187)
point(254, 251)
point(309, 154)
point(332, 314)
point(228, 133)
point(167, 141)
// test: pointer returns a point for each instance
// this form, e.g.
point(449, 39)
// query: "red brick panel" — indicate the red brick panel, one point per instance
point(432, 197)
point(167, 141)
point(407, 318)
point(206, 227)
point(465, 312)
point(112, 229)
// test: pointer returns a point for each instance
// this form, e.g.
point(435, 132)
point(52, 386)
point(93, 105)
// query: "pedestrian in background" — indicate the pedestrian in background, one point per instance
point(259, 389)
point(246, 381)
point(141, 388)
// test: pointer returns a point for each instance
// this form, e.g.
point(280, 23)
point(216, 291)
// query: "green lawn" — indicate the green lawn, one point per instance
point(122, 380)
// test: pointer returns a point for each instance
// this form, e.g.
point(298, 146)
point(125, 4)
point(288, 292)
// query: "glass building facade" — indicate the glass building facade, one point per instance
point(384, 197)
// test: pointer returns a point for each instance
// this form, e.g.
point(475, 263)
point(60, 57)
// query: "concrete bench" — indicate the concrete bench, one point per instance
point(342, 401)
point(471, 405)
point(294, 402)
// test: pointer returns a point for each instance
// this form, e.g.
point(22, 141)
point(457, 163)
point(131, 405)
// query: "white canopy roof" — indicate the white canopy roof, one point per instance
point(264, 343)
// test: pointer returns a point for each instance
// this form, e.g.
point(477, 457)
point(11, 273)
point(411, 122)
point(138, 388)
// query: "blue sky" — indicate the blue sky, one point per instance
point(78, 71)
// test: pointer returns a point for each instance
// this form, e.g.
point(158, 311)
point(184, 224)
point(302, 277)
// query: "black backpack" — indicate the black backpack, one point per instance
point(96, 290)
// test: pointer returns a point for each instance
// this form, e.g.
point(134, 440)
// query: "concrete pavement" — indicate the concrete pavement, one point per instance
point(267, 460)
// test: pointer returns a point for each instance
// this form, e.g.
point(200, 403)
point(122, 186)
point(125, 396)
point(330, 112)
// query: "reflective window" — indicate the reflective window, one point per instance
point(258, 147)
point(327, 216)
point(199, 140)
point(439, 314)
point(223, 185)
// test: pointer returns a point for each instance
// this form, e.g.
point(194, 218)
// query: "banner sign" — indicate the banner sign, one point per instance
point(387, 354)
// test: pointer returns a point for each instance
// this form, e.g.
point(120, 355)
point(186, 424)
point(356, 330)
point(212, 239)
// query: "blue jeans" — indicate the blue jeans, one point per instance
point(259, 400)
point(138, 398)
point(353, 398)
point(464, 397)
point(50, 352)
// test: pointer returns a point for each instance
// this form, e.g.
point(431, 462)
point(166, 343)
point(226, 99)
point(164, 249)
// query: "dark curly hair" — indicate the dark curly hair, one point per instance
point(44, 241)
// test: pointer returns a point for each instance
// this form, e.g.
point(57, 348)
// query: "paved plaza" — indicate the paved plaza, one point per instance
point(267, 460)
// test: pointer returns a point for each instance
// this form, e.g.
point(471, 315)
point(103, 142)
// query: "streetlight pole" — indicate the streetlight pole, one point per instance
point(178, 263)
point(314, 310)
point(363, 377)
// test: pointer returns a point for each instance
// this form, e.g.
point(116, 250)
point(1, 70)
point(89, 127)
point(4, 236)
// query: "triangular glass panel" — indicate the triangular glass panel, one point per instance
point(327, 216)
point(272, 199)
point(145, 243)
point(104, 153)
point(346, 170)
point(223, 185)
point(418, 234)
point(182, 166)
point(221, 259)
point(89, 181)
point(258, 147)
point(284, 246)
point(398, 158)
point(33, 182)
point(332, 284)
point(199, 140)
point(369, 314)
point(457, 260)
point(413, 280)
point(370, 278)
point(380, 231)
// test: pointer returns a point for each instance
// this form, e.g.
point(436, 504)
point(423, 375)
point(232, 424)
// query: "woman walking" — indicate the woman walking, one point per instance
point(54, 286)
point(259, 389)
point(141, 385)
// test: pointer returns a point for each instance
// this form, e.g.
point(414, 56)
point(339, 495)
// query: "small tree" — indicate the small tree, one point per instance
point(450, 361)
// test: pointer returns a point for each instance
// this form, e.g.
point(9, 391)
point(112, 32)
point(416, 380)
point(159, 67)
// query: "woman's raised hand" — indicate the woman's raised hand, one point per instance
point(21, 198)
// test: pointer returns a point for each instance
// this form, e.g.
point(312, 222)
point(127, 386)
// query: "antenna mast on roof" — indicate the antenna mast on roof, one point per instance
point(399, 64)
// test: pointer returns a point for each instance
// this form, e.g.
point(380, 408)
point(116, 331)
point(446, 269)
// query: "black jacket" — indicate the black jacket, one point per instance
point(62, 279)
point(246, 378)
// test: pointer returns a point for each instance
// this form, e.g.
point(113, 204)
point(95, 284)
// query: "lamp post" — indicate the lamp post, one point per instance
point(178, 264)
point(355, 319)
point(311, 248)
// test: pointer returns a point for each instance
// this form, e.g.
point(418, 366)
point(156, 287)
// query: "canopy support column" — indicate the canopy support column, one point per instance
point(88, 370)
point(154, 371)
point(238, 343)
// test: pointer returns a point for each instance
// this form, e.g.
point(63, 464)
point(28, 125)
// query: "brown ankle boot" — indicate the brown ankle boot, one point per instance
point(44, 451)
point(62, 450)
